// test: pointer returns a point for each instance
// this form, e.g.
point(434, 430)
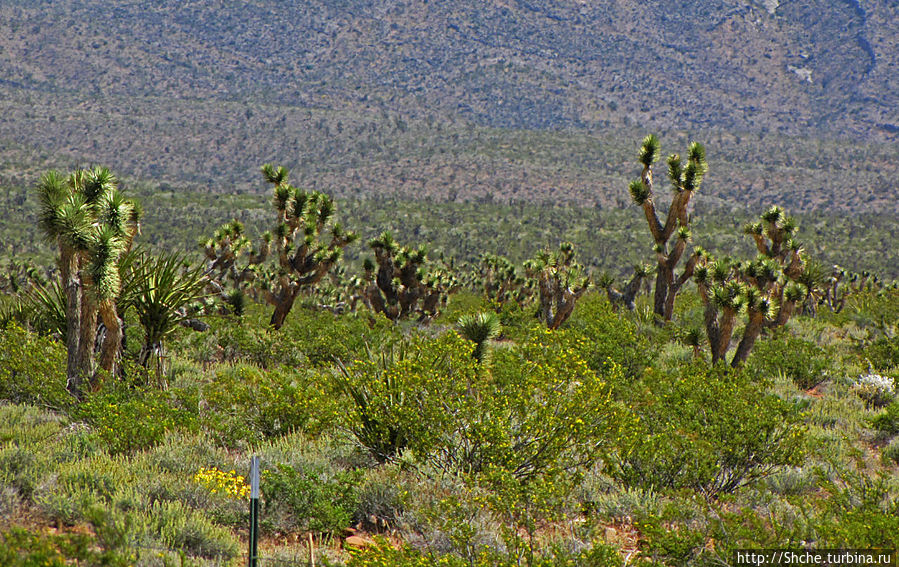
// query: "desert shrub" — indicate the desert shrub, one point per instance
point(792, 481)
point(543, 409)
point(890, 453)
point(32, 369)
point(99, 475)
point(257, 345)
point(179, 527)
point(383, 500)
point(26, 425)
point(22, 548)
point(860, 512)
point(243, 403)
point(805, 363)
point(672, 546)
point(708, 428)
point(609, 337)
point(383, 554)
point(887, 420)
point(182, 453)
point(22, 468)
point(540, 407)
point(309, 498)
point(875, 390)
point(324, 337)
point(883, 353)
point(309, 337)
point(730, 528)
point(397, 395)
point(129, 419)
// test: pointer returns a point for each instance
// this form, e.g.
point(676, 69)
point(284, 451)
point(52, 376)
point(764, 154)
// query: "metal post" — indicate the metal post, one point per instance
point(254, 510)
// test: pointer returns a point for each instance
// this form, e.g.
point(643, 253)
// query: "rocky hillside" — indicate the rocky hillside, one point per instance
point(365, 95)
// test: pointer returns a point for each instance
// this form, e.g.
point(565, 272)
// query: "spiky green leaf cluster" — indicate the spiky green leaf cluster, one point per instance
point(649, 150)
point(640, 192)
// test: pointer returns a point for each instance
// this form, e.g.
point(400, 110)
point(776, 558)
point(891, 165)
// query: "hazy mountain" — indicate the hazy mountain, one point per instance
point(364, 95)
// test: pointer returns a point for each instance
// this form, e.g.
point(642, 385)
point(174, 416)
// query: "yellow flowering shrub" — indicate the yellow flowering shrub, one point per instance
point(227, 483)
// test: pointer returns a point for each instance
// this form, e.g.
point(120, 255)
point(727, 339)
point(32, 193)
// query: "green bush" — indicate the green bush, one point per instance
point(131, 419)
point(890, 453)
point(539, 408)
point(543, 409)
point(309, 337)
point(383, 500)
point(805, 363)
point(179, 527)
point(325, 337)
point(860, 512)
point(32, 369)
point(888, 419)
point(22, 468)
point(309, 498)
point(396, 395)
point(21, 548)
point(26, 425)
point(383, 554)
point(243, 403)
point(708, 428)
point(883, 353)
point(609, 337)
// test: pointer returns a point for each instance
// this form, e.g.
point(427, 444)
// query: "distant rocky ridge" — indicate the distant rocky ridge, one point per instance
point(200, 92)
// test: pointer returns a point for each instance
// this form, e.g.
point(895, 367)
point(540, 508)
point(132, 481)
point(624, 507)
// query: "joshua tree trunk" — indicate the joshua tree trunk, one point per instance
point(750, 334)
point(726, 332)
point(786, 311)
point(112, 343)
point(282, 309)
point(88, 329)
point(661, 291)
point(69, 271)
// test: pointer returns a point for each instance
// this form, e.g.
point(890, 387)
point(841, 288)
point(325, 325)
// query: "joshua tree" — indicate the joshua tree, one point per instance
point(17, 277)
point(814, 280)
point(685, 181)
point(502, 281)
point(305, 241)
point(400, 281)
point(773, 235)
point(560, 282)
point(626, 297)
point(234, 265)
point(841, 284)
point(93, 224)
point(765, 288)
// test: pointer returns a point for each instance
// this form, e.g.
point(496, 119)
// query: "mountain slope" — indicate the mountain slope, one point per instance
point(201, 92)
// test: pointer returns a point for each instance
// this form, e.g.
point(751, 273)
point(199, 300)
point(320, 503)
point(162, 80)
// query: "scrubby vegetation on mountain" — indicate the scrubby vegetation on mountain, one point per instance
point(522, 101)
point(506, 428)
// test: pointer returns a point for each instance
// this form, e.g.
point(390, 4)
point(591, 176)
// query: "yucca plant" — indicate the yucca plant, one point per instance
point(480, 328)
point(33, 301)
point(692, 337)
point(686, 179)
point(371, 391)
point(92, 224)
point(159, 289)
